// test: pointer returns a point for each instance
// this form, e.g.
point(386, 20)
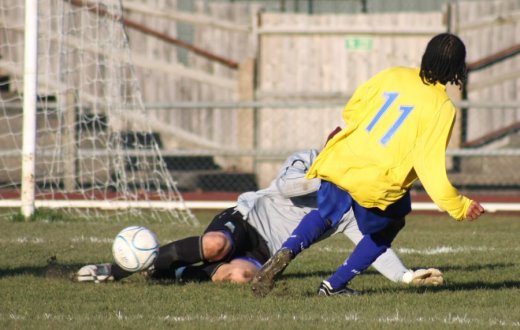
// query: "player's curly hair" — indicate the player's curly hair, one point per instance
point(444, 61)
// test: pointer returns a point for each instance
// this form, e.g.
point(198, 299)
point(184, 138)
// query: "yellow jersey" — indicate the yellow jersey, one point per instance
point(397, 130)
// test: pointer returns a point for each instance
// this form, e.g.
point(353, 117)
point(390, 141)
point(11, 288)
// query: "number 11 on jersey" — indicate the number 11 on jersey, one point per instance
point(405, 111)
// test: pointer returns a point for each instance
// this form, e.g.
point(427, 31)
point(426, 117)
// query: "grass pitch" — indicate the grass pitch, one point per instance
point(480, 261)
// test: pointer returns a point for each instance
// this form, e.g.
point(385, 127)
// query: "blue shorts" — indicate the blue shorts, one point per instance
point(334, 202)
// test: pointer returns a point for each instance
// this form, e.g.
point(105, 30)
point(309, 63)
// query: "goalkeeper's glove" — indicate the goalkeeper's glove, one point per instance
point(423, 277)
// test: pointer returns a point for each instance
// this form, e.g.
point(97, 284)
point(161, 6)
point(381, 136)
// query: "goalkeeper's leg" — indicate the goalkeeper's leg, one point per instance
point(221, 238)
point(172, 255)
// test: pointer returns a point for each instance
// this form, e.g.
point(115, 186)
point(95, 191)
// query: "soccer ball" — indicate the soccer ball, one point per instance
point(135, 248)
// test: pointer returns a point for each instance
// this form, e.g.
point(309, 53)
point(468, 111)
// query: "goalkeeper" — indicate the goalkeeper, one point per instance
point(239, 240)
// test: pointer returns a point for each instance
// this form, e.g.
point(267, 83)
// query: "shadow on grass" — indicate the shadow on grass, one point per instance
point(476, 267)
point(450, 286)
point(53, 269)
point(479, 285)
point(447, 287)
point(371, 271)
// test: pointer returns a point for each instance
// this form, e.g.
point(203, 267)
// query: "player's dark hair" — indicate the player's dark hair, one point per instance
point(444, 61)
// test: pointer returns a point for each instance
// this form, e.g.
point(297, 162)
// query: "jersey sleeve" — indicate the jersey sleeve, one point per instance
point(430, 163)
point(291, 181)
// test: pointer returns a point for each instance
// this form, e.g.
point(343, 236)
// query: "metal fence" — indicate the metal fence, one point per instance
point(332, 6)
point(491, 168)
point(227, 127)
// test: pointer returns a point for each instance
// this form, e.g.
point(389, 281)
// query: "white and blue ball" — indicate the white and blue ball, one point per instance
point(135, 248)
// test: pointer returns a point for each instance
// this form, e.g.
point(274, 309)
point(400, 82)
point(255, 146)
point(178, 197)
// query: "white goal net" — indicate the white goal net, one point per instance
point(94, 149)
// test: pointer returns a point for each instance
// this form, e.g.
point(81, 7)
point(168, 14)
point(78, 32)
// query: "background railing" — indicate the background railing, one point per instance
point(214, 94)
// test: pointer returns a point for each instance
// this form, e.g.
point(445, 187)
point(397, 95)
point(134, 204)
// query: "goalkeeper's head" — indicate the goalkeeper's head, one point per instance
point(444, 61)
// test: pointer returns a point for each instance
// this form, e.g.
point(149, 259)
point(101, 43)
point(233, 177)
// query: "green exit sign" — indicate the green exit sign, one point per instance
point(358, 43)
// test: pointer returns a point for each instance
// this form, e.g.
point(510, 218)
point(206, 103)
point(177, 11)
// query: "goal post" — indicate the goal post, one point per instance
point(29, 106)
point(69, 100)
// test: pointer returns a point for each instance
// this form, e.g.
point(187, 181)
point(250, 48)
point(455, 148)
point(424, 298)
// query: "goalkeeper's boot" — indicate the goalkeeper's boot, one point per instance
point(263, 282)
point(326, 289)
point(95, 273)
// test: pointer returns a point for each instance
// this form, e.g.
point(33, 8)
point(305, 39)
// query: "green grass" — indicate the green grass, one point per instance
point(480, 261)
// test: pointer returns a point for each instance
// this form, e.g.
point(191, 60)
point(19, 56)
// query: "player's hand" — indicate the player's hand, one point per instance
point(475, 210)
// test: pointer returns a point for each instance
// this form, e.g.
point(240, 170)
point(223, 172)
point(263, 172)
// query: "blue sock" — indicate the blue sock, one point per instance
point(364, 254)
point(307, 232)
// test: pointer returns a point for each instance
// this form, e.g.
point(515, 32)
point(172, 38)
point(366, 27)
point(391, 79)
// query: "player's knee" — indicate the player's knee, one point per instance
point(215, 246)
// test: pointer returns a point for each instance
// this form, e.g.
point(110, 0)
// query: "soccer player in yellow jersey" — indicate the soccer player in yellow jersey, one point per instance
point(398, 125)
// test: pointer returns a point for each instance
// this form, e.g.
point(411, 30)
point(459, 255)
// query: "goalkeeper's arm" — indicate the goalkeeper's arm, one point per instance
point(291, 181)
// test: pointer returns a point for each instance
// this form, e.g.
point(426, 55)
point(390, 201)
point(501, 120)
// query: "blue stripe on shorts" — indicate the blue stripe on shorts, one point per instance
point(257, 263)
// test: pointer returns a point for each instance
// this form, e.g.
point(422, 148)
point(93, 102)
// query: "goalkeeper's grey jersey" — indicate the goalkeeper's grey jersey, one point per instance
point(277, 210)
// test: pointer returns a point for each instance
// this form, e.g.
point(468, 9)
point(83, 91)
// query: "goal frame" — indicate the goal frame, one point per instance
point(72, 189)
point(29, 107)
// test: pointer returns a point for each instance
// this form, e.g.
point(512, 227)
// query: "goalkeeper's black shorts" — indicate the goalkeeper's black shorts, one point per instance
point(247, 243)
